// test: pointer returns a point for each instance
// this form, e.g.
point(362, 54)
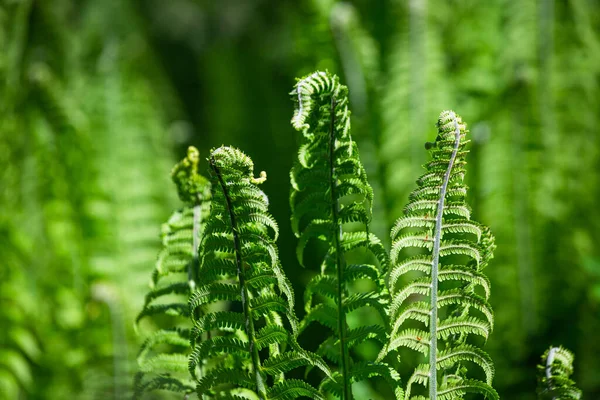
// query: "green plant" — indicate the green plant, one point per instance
point(428, 293)
point(451, 252)
point(97, 96)
point(330, 192)
point(554, 373)
point(19, 346)
point(255, 347)
point(163, 354)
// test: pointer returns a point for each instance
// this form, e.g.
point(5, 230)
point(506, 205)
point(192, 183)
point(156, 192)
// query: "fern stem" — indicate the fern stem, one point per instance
point(194, 265)
point(260, 384)
point(340, 261)
point(549, 362)
point(435, 265)
point(523, 227)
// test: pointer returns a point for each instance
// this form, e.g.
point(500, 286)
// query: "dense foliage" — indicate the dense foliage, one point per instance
point(97, 96)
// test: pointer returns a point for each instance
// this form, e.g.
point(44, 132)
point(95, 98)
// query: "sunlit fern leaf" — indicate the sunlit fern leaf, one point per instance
point(253, 348)
point(331, 198)
point(554, 373)
point(162, 359)
point(439, 295)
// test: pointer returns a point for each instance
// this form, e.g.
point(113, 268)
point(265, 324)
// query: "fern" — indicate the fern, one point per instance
point(19, 346)
point(451, 250)
point(173, 280)
point(252, 347)
point(329, 192)
point(553, 375)
point(48, 193)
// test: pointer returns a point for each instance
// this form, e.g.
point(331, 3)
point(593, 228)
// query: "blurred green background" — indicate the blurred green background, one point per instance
point(99, 98)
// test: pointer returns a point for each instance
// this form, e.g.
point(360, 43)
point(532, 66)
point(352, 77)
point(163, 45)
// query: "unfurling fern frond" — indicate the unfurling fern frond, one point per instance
point(441, 251)
point(251, 347)
point(553, 376)
point(330, 191)
point(163, 356)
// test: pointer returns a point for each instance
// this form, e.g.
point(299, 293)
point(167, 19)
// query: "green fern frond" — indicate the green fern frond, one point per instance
point(20, 348)
point(163, 356)
point(554, 373)
point(443, 252)
point(229, 346)
point(330, 192)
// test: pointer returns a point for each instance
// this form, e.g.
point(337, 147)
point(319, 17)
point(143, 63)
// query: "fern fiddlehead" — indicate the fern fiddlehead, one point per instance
point(176, 274)
point(453, 251)
point(251, 349)
point(329, 191)
point(554, 373)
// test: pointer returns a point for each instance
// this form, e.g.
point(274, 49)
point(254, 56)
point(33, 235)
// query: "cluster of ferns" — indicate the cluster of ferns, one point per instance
point(223, 309)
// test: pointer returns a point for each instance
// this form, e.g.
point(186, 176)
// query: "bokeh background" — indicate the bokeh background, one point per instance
point(99, 98)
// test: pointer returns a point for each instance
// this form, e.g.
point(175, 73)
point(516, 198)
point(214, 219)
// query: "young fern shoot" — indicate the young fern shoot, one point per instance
point(246, 351)
point(173, 280)
point(554, 373)
point(437, 241)
point(329, 191)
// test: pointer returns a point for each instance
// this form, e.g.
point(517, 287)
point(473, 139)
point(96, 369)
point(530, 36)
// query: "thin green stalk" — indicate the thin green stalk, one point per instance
point(546, 55)
point(435, 265)
point(523, 227)
point(340, 261)
point(260, 384)
point(418, 68)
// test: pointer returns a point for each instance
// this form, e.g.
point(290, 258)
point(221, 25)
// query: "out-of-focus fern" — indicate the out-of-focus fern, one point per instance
point(173, 280)
point(43, 130)
point(19, 347)
point(360, 60)
point(329, 192)
point(412, 90)
point(454, 250)
point(118, 88)
point(250, 348)
point(359, 53)
point(554, 373)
